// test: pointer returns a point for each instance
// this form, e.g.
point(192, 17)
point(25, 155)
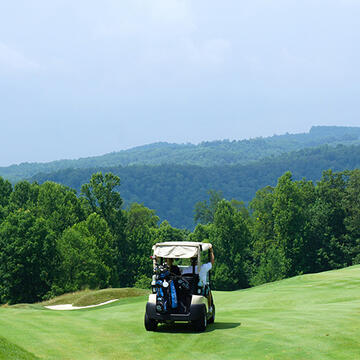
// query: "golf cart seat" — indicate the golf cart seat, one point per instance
point(193, 280)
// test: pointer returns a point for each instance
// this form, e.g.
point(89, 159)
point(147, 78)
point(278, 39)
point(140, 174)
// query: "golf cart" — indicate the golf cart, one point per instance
point(178, 294)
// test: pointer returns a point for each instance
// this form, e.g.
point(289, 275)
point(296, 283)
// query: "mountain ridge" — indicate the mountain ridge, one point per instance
point(173, 189)
point(206, 153)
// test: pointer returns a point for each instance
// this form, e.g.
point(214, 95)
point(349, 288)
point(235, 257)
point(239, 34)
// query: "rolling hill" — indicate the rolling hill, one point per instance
point(172, 190)
point(313, 316)
point(210, 153)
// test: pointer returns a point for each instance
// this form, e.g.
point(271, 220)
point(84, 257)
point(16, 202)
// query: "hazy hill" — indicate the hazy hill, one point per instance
point(205, 154)
point(172, 190)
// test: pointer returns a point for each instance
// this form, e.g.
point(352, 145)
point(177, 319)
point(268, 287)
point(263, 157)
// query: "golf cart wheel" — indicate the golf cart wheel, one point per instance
point(212, 319)
point(150, 324)
point(200, 324)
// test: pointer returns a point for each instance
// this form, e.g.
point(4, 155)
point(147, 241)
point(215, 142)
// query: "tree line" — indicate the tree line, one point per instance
point(205, 154)
point(173, 189)
point(293, 228)
point(53, 241)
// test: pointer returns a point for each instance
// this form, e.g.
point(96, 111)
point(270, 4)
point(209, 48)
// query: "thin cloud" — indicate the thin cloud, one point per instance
point(11, 59)
point(139, 18)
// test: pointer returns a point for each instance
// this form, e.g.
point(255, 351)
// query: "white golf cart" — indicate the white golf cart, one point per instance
point(177, 292)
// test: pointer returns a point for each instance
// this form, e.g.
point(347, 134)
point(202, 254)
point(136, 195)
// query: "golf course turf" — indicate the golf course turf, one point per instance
point(314, 316)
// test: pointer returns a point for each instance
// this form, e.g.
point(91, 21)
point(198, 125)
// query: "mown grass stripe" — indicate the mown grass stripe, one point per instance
point(9, 351)
point(314, 316)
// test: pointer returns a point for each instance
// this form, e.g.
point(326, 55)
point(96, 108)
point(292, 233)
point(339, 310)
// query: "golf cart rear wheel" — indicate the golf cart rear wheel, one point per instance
point(212, 319)
point(150, 324)
point(200, 324)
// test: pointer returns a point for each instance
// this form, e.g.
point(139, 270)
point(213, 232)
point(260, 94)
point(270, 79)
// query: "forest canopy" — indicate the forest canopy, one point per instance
point(53, 240)
point(173, 190)
point(205, 154)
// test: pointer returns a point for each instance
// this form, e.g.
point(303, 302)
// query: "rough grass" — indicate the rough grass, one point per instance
point(93, 297)
point(9, 351)
point(306, 317)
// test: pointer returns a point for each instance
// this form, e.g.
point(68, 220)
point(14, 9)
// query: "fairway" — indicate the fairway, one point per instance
point(313, 316)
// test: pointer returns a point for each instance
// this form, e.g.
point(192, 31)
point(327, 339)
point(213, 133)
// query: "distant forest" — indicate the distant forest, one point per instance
point(171, 178)
point(173, 190)
point(205, 154)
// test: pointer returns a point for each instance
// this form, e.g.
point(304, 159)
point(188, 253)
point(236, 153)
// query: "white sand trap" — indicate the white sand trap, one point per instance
point(70, 307)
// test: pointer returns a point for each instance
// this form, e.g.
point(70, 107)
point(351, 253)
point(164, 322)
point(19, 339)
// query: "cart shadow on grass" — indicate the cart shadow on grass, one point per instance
point(188, 328)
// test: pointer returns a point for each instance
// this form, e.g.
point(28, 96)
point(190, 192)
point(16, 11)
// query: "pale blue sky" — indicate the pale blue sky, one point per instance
point(81, 78)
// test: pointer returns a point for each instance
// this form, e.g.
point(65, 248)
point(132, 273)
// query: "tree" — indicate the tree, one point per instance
point(205, 210)
point(59, 205)
point(272, 266)
point(100, 196)
point(28, 258)
point(5, 191)
point(291, 215)
point(86, 254)
point(328, 226)
point(165, 232)
point(266, 265)
point(202, 233)
point(351, 206)
point(263, 222)
point(230, 238)
point(24, 196)
point(140, 229)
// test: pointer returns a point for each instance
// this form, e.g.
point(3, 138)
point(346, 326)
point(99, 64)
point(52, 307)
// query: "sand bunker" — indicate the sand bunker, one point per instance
point(70, 307)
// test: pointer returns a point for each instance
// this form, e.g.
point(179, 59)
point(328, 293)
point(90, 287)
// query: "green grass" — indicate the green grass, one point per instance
point(306, 317)
point(9, 351)
point(93, 297)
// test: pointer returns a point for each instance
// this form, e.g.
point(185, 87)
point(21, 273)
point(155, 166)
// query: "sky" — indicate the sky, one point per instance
point(83, 78)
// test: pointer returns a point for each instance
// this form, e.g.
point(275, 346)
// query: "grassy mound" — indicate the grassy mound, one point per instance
point(10, 351)
point(306, 317)
point(94, 297)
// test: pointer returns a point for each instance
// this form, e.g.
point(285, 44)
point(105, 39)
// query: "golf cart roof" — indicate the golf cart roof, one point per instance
point(179, 249)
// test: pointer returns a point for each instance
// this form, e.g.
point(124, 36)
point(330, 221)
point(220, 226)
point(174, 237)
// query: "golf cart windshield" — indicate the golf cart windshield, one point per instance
point(179, 249)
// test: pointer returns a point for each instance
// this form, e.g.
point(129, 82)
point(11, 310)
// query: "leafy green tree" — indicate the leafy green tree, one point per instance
point(86, 254)
point(241, 207)
point(309, 228)
point(28, 258)
point(201, 233)
point(59, 205)
point(272, 266)
point(205, 210)
point(230, 238)
point(328, 227)
point(263, 224)
point(5, 192)
point(165, 232)
point(139, 230)
point(351, 206)
point(139, 215)
point(100, 196)
point(262, 234)
point(105, 243)
point(291, 215)
point(24, 196)
point(143, 282)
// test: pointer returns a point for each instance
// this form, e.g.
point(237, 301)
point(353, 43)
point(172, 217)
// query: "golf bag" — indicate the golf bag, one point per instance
point(164, 287)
